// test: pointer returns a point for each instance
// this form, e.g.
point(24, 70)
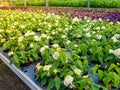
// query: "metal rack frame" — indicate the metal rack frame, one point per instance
point(30, 83)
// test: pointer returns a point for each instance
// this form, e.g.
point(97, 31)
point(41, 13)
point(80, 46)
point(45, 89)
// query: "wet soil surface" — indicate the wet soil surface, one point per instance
point(9, 81)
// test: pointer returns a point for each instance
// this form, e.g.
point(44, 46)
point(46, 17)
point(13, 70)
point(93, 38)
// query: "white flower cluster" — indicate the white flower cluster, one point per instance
point(75, 20)
point(29, 33)
point(20, 39)
point(68, 80)
point(55, 45)
point(98, 37)
point(38, 66)
point(47, 67)
point(77, 71)
point(56, 55)
point(10, 53)
point(43, 49)
point(115, 52)
point(116, 37)
point(37, 38)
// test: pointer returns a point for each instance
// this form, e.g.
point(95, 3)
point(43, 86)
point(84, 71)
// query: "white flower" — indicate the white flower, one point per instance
point(75, 45)
point(38, 66)
point(115, 37)
point(70, 27)
point(56, 55)
point(103, 27)
point(22, 26)
point(53, 33)
point(0, 35)
point(75, 19)
point(39, 29)
point(55, 45)
point(97, 28)
point(100, 19)
point(64, 36)
point(48, 37)
point(29, 33)
point(43, 36)
point(68, 42)
point(93, 32)
point(42, 50)
point(37, 38)
point(118, 22)
point(88, 20)
point(85, 76)
point(20, 39)
point(85, 17)
point(10, 53)
point(77, 71)
point(47, 67)
point(1, 30)
point(46, 47)
point(111, 51)
point(111, 23)
point(86, 30)
point(68, 80)
point(108, 19)
point(88, 35)
point(31, 45)
point(115, 52)
point(98, 37)
point(16, 23)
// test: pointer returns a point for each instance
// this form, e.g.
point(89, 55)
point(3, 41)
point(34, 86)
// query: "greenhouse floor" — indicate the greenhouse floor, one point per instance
point(8, 80)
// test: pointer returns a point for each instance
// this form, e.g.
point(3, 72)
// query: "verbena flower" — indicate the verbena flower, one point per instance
point(47, 67)
point(115, 52)
point(77, 71)
point(56, 55)
point(38, 66)
point(37, 38)
point(20, 39)
point(31, 45)
point(10, 53)
point(68, 42)
point(55, 45)
point(68, 80)
point(85, 76)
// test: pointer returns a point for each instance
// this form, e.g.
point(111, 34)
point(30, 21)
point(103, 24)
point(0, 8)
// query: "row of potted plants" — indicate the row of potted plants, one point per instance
point(67, 49)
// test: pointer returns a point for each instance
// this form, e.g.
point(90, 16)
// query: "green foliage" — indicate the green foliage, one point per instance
point(74, 3)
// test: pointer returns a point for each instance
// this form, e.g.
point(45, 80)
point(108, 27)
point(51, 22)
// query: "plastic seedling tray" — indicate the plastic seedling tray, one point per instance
point(26, 74)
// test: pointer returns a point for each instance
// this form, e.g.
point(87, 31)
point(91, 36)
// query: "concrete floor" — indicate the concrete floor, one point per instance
point(9, 81)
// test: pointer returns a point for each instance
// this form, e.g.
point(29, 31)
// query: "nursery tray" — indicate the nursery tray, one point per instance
point(26, 74)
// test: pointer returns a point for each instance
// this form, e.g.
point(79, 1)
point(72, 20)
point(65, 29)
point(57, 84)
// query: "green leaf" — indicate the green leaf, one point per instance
point(57, 82)
point(85, 63)
point(80, 64)
point(100, 74)
point(97, 87)
point(116, 80)
point(35, 55)
point(118, 70)
point(69, 73)
point(50, 84)
point(69, 56)
point(44, 74)
point(94, 69)
point(63, 57)
point(112, 66)
point(43, 82)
